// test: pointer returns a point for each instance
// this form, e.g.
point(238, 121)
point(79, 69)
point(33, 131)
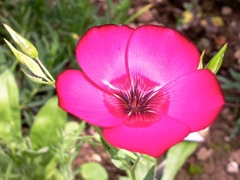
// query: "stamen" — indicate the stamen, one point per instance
point(137, 100)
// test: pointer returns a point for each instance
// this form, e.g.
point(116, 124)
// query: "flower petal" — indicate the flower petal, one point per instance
point(153, 140)
point(194, 99)
point(160, 54)
point(80, 98)
point(101, 53)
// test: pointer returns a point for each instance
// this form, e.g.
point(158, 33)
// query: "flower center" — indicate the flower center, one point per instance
point(135, 101)
point(138, 101)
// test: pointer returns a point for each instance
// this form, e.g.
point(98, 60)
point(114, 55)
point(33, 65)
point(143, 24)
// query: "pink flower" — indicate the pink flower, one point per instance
point(142, 86)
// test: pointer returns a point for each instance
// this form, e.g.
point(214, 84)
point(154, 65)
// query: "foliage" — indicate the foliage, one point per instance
point(176, 156)
point(54, 27)
point(184, 149)
point(50, 144)
point(96, 171)
point(231, 85)
point(44, 153)
point(231, 89)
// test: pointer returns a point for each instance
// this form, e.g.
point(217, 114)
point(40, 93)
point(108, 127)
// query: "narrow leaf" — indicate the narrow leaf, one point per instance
point(48, 124)
point(71, 133)
point(10, 119)
point(119, 157)
point(4, 162)
point(215, 63)
point(145, 168)
point(176, 156)
point(151, 173)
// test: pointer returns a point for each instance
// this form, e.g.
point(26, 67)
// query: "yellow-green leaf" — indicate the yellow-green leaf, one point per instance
point(10, 117)
point(215, 63)
point(176, 156)
point(48, 124)
point(93, 171)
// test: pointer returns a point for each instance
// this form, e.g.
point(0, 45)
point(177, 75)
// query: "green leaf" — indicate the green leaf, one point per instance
point(176, 156)
point(145, 168)
point(10, 119)
point(71, 133)
point(3, 60)
point(4, 162)
point(118, 159)
point(39, 152)
point(151, 173)
point(122, 159)
point(48, 124)
point(73, 129)
point(124, 178)
point(93, 171)
point(215, 63)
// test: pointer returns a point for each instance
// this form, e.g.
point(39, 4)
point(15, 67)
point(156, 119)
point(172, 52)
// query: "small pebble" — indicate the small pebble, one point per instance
point(96, 157)
point(233, 167)
point(226, 10)
point(146, 17)
point(237, 54)
point(204, 153)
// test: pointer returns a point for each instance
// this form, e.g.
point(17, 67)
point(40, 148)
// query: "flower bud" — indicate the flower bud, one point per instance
point(215, 63)
point(28, 62)
point(23, 43)
point(36, 78)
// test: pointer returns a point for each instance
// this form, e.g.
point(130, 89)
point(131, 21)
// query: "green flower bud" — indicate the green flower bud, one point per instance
point(28, 62)
point(23, 43)
point(36, 78)
point(215, 63)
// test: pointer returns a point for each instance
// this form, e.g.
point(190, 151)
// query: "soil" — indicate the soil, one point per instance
point(213, 24)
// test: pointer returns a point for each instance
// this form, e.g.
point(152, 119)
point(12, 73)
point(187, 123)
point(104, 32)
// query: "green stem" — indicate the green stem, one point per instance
point(138, 13)
point(98, 131)
point(44, 69)
point(132, 170)
point(33, 93)
point(14, 65)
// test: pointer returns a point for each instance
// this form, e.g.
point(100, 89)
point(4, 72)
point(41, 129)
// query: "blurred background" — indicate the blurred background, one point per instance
point(55, 26)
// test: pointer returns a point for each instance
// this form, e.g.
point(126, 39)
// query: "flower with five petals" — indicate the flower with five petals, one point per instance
point(142, 86)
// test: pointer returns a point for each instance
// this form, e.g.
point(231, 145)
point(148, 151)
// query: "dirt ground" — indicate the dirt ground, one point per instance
point(209, 24)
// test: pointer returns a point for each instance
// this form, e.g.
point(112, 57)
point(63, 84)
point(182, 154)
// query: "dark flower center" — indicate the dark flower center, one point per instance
point(135, 102)
point(138, 100)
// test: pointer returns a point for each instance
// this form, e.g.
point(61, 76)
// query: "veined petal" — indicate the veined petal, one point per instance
point(153, 140)
point(101, 53)
point(194, 99)
point(160, 54)
point(80, 98)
